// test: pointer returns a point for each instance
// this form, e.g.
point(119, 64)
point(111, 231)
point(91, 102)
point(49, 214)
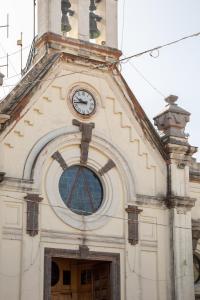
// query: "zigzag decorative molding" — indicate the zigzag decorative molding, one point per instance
point(28, 123)
point(47, 99)
point(125, 124)
point(9, 145)
point(38, 110)
point(19, 133)
point(60, 90)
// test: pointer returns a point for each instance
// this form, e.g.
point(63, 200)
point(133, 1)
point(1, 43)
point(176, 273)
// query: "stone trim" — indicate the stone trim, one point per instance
point(58, 157)
point(116, 241)
point(57, 39)
point(32, 224)
point(113, 258)
point(108, 166)
point(86, 130)
point(151, 200)
point(166, 202)
point(15, 102)
point(133, 232)
point(180, 202)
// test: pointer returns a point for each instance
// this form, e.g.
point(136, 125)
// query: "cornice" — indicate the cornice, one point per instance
point(180, 202)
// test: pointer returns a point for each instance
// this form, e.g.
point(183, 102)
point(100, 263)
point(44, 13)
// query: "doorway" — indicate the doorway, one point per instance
point(73, 279)
point(68, 276)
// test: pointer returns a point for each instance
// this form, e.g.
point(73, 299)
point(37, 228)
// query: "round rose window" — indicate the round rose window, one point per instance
point(81, 190)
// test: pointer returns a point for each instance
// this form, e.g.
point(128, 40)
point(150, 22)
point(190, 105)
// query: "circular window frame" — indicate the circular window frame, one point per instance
point(99, 179)
point(110, 200)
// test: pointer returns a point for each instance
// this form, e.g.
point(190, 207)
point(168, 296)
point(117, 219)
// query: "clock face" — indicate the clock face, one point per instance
point(83, 102)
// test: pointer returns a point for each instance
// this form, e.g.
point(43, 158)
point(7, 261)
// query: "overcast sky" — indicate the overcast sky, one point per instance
point(143, 24)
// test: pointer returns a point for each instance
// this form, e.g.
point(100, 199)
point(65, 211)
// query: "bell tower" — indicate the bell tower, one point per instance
point(92, 21)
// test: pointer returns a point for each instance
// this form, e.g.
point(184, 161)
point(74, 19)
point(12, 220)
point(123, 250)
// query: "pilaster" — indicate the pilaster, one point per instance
point(31, 244)
point(172, 122)
point(83, 20)
point(112, 23)
point(76, 15)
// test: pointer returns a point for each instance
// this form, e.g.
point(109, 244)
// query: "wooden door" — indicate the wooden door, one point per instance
point(64, 277)
point(85, 281)
point(101, 282)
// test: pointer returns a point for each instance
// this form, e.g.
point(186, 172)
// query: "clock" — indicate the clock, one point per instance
point(83, 102)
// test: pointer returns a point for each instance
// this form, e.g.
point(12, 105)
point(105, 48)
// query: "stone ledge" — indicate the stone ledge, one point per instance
point(180, 202)
point(194, 170)
point(159, 201)
point(194, 176)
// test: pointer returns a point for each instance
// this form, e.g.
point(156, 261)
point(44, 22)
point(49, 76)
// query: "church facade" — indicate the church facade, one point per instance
point(94, 203)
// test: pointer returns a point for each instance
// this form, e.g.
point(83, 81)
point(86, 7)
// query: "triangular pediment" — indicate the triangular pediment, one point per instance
point(20, 96)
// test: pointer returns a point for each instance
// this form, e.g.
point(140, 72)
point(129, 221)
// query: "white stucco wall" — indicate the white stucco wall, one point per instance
point(45, 126)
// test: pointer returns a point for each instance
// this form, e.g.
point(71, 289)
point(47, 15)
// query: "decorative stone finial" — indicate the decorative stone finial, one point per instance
point(172, 121)
point(171, 99)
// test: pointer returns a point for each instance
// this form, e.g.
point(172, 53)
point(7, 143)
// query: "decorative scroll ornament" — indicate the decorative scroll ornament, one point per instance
point(94, 31)
point(65, 8)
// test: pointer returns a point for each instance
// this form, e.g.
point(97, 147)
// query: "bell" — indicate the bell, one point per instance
point(94, 31)
point(65, 8)
point(65, 5)
point(92, 5)
point(66, 27)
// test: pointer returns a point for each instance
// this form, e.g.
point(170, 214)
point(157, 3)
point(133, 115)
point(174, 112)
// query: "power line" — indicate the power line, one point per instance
point(132, 270)
point(101, 215)
point(15, 52)
point(110, 64)
point(160, 47)
point(146, 80)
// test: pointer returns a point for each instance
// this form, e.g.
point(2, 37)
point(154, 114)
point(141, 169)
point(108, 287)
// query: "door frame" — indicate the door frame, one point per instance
point(113, 258)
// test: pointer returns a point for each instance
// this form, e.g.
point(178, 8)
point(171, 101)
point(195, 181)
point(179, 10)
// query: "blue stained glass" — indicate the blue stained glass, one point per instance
point(81, 190)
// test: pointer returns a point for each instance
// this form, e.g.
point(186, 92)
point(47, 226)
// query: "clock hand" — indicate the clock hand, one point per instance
point(81, 101)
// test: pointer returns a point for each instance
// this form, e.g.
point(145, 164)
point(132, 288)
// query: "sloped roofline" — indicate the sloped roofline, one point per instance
point(17, 99)
point(147, 127)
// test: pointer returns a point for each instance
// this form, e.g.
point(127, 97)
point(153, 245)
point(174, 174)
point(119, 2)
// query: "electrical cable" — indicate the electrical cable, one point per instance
point(15, 52)
point(146, 80)
point(8, 59)
point(160, 47)
point(100, 215)
point(110, 64)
